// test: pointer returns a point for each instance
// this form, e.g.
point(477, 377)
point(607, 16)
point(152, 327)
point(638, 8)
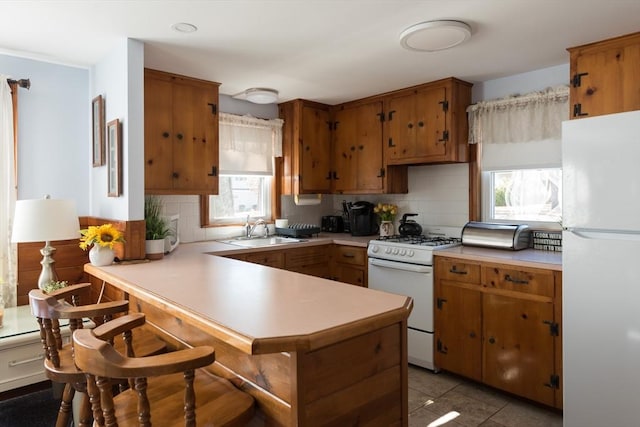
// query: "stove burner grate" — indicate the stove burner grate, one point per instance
point(421, 240)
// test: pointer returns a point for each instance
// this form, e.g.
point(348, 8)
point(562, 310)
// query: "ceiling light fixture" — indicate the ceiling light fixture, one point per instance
point(184, 27)
point(432, 36)
point(258, 95)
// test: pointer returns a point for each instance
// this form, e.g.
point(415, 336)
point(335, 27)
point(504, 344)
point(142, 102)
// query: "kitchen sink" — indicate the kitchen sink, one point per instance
point(258, 242)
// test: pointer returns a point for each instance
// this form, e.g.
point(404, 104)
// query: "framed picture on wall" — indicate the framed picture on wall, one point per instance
point(97, 120)
point(114, 159)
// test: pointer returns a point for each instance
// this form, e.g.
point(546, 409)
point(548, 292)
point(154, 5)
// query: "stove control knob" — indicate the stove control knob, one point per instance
point(395, 251)
point(410, 253)
point(374, 249)
point(403, 252)
point(387, 251)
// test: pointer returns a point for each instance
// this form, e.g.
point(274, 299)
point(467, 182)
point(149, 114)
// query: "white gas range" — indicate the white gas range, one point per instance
point(404, 265)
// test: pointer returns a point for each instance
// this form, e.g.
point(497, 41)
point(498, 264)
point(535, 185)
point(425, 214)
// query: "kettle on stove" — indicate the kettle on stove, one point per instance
point(409, 227)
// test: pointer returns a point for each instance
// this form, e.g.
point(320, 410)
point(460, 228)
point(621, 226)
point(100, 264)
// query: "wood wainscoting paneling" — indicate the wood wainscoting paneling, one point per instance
point(70, 258)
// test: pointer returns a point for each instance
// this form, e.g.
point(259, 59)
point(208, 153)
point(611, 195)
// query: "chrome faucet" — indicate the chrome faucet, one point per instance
point(251, 228)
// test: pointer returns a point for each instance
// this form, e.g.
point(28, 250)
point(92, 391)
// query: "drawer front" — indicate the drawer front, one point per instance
point(457, 270)
point(303, 257)
point(532, 281)
point(21, 365)
point(350, 255)
point(271, 259)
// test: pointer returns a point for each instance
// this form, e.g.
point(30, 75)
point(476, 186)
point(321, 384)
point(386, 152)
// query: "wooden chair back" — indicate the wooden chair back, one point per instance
point(164, 384)
point(50, 308)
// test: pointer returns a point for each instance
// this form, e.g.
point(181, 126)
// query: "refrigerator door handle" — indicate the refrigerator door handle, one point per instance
point(597, 233)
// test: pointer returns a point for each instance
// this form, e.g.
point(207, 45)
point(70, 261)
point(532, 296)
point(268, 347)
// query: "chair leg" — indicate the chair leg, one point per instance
point(64, 413)
point(85, 415)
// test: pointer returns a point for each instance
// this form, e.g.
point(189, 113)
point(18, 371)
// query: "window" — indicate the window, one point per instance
point(521, 178)
point(241, 196)
point(247, 150)
point(523, 195)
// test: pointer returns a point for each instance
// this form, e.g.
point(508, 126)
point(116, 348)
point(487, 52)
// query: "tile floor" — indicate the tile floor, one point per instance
point(433, 396)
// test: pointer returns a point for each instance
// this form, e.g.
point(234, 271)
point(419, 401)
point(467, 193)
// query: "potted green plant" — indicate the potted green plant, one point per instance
point(157, 228)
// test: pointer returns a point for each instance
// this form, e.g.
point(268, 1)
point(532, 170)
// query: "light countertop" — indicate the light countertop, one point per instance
point(261, 308)
point(526, 257)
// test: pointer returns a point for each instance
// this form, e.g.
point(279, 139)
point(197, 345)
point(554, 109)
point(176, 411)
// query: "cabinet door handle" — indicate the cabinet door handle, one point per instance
point(179, 136)
point(445, 136)
point(391, 114)
point(455, 271)
point(14, 363)
point(348, 255)
point(165, 134)
point(391, 144)
point(421, 124)
point(410, 125)
point(516, 281)
point(214, 171)
point(492, 340)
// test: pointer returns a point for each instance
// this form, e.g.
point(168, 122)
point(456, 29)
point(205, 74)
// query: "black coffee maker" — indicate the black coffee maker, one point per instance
point(362, 219)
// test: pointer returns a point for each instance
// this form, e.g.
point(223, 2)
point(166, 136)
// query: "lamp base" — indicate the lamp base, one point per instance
point(48, 273)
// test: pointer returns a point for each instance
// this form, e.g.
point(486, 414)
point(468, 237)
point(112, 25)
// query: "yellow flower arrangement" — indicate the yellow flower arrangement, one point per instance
point(386, 211)
point(104, 235)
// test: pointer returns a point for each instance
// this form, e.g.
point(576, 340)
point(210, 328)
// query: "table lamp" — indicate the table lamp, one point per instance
point(45, 220)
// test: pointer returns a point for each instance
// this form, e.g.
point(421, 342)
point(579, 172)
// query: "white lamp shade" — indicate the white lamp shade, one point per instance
point(44, 220)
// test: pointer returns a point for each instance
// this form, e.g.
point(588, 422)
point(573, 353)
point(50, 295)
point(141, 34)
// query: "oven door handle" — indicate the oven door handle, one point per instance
point(400, 265)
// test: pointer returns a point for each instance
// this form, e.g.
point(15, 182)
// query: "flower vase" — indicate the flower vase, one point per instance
point(101, 256)
point(386, 228)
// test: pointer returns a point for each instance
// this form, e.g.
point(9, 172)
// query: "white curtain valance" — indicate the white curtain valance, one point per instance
point(536, 116)
point(248, 145)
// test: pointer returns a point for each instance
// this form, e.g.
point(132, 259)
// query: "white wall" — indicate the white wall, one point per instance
point(119, 79)
point(54, 132)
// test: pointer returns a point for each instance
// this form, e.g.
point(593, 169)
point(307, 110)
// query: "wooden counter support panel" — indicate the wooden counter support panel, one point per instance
point(355, 382)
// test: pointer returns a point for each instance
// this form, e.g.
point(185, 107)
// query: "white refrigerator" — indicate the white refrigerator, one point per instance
point(601, 270)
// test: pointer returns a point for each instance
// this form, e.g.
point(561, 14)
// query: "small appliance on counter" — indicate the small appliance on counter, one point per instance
point(498, 236)
point(409, 227)
point(362, 219)
point(332, 224)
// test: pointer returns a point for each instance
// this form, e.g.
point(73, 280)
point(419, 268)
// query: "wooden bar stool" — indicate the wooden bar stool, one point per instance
point(169, 388)
point(59, 365)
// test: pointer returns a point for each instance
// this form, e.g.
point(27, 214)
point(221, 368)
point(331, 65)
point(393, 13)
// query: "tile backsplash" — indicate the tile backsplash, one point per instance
point(439, 194)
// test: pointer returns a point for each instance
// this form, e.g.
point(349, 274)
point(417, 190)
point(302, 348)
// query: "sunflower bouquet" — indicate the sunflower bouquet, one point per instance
point(386, 211)
point(104, 235)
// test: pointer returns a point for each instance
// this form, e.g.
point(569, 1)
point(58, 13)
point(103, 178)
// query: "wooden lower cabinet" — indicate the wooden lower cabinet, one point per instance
point(500, 327)
point(343, 263)
point(311, 260)
point(349, 264)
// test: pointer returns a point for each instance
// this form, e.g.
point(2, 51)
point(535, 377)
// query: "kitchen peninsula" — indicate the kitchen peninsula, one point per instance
point(310, 350)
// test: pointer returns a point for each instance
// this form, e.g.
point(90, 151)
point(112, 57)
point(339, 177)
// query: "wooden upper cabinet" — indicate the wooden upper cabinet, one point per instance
point(306, 147)
point(605, 77)
point(181, 134)
point(428, 123)
point(357, 149)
